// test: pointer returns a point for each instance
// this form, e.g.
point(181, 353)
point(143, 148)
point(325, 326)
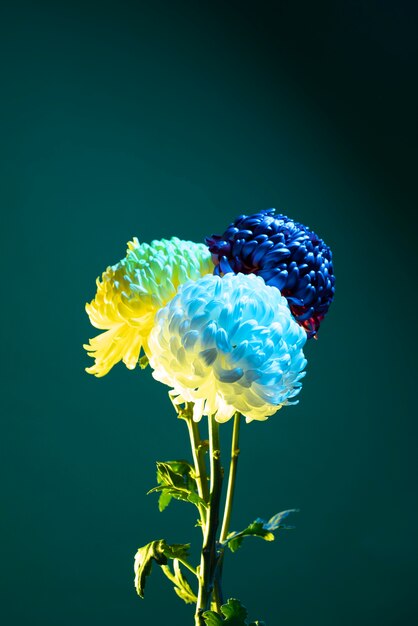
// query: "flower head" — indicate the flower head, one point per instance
point(132, 291)
point(287, 255)
point(229, 344)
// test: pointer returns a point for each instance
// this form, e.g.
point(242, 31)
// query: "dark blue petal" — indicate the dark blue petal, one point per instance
point(225, 266)
point(248, 248)
point(261, 250)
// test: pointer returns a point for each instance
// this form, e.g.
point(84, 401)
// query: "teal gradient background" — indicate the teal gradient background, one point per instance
point(171, 118)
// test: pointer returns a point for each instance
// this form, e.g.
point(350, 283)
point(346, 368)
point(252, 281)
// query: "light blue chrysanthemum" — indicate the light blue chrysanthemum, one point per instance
point(229, 344)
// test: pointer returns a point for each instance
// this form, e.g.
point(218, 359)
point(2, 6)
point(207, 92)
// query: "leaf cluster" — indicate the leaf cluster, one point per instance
point(176, 479)
point(233, 614)
point(181, 584)
point(259, 528)
point(160, 551)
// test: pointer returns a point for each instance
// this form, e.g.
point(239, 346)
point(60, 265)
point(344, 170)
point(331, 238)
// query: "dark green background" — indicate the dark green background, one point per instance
point(170, 118)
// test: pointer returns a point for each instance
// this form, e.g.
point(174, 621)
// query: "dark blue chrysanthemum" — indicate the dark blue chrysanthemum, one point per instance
point(286, 255)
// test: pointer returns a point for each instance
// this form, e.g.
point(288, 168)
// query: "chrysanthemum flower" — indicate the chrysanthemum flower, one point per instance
point(132, 291)
point(228, 344)
point(287, 255)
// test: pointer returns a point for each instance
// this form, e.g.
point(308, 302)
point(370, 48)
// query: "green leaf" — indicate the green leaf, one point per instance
point(164, 500)
point(195, 499)
point(144, 558)
point(178, 494)
point(176, 550)
point(234, 542)
point(181, 584)
point(185, 592)
point(259, 528)
point(275, 522)
point(174, 473)
point(182, 587)
point(257, 623)
point(233, 609)
point(176, 479)
point(256, 529)
point(235, 614)
point(212, 619)
point(160, 551)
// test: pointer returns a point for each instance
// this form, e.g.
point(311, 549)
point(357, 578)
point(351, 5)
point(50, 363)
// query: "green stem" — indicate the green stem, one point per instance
point(199, 465)
point(232, 477)
point(189, 567)
point(217, 600)
point(209, 554)
point(167, 571)
point(228, 503)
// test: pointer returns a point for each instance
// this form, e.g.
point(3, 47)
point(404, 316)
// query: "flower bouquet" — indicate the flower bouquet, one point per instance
point(223, 324)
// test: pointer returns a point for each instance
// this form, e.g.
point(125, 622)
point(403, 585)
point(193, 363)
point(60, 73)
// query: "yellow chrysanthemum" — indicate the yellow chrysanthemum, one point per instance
point(131, 292)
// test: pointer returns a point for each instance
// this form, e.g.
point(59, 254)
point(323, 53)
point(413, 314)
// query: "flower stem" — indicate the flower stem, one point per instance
point(199, 465)
point(209, 556)
point(232, 478)
point(228, 503)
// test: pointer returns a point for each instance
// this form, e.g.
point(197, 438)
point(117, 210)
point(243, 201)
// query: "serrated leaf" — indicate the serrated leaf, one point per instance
point(181, 584)
point(176, 479)
point(234, 543)
point(176, 550)
point(195, 499)
point(179, 494)
point(259, 528)
point(159, 551)
point(235, 614)
point(164, 500)
point(175, 474)
point(275, 522)
point(234, 609)
point(144, 558)
point(182, 587)
point(185, 592)
point(212, 619)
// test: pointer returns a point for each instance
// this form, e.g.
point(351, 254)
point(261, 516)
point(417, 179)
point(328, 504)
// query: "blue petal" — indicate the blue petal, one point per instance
point(209, 355)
